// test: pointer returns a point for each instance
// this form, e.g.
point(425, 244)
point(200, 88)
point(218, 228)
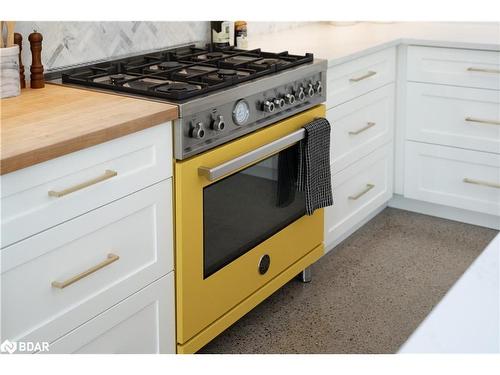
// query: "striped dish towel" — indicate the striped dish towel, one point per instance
point(314, 177)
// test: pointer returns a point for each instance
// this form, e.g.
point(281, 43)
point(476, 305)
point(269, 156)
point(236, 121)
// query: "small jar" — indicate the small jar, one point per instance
point(240, 35)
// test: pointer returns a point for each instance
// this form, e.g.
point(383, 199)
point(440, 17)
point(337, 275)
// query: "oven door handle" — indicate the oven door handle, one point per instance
point(251, 157)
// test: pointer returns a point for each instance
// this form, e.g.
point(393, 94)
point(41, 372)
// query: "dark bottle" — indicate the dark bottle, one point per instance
point(220, 31)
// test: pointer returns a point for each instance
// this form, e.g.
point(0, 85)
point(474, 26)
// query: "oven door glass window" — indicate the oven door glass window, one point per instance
point(247, 207)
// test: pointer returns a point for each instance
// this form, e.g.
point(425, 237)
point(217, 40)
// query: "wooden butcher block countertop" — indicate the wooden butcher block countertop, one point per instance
point(43, 124)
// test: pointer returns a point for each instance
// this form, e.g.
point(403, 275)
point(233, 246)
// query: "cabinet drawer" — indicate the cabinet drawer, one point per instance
point(358, 191)
point(144, 323)
point(111, 170)
point(360, 126)
point(137, 229)
point(453, 177)
point(454, 116)
point(459, 67)
point(354, 78)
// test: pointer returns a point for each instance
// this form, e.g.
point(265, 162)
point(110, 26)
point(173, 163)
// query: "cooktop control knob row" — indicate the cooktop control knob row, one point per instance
point(198, 131)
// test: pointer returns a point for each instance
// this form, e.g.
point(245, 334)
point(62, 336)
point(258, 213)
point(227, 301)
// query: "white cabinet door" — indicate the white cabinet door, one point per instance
point(127, 243)
point(360, 126)
point(39, 197)
point(450, 66)
point(453, 116)
point(144, 323)
point(354, 78)
point(358, 191)
point(453, 177)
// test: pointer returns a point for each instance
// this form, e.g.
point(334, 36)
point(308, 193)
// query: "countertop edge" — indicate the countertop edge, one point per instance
point(81, 142)
point(413, 42)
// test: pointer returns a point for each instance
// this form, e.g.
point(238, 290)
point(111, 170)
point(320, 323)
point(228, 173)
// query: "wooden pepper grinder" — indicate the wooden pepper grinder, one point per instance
point(18, 39)
point(37, 81)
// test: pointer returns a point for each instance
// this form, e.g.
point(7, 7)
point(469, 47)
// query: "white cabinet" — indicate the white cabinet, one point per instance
point(122, 239)
point(360, 101)
point(453, 177)
point(454, 116)
point(452, 133)
point(360, 126)
point(458, 67)
point(358, 191)
point(84, 233)
point(46, 194)
point(354, 78)
point(144, 323)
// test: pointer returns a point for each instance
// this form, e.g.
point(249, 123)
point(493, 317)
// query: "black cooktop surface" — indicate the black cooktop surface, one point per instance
point(183, 73)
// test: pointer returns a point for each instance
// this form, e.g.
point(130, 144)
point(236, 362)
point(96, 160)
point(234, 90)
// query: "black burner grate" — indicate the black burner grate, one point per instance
point(183, 73)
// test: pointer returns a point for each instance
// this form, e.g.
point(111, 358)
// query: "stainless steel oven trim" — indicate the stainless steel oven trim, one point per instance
point(251, 157)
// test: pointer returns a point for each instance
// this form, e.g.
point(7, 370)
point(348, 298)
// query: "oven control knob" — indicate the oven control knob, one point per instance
point(198, 131)
point(268, 106)
point(318, 88)
point(218, 123)
point(279, 103)
point(290, 98)
point(310, 90)
point(300, 94)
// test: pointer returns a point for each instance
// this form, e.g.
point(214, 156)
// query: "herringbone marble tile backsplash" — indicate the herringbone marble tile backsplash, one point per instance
point(69, 43)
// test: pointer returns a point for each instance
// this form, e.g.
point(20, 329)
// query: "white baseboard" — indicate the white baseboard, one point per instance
point(445, 212)
point(329, 246)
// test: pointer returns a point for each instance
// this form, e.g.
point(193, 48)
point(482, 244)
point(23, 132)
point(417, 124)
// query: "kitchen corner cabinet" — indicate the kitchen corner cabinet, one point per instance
point(87, 248)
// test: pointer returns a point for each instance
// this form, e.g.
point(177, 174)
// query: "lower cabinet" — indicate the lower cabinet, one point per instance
point(453, 177)
point(358, 191)
point(143, 323)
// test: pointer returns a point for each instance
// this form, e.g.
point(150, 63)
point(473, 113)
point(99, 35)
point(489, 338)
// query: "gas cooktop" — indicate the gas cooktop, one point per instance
point(183, 73)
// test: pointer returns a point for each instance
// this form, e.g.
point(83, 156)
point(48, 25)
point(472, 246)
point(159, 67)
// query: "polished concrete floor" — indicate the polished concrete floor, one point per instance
point(367, 295)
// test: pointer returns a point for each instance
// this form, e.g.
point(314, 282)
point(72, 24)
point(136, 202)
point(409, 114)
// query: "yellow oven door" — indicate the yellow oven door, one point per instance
point(241, 232)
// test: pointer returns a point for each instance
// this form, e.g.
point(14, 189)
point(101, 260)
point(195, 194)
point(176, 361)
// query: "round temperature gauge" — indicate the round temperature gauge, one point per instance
point(241, 112)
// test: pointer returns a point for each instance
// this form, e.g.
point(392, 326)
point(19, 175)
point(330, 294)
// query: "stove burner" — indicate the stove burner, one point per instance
point(177, 86)
point(269, 62)
point(116, 78)
point(169, 65)
point(214, 55)
point(227, 73)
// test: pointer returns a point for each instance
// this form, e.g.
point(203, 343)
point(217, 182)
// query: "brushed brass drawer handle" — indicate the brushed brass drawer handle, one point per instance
point(482, 121)
point(365, 76)
point(368, 126)
point(360, 194)
point(483, 70)
point(482, 183)
point(106, 176)
point(63, 284)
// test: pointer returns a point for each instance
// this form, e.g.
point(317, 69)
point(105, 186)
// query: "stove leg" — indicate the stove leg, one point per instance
point(305, 276)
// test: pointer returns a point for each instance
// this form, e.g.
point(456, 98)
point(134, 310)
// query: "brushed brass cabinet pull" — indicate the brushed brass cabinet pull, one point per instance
point(483, 70)
point(360, 194)
point(368, 126)
point(365, 76)
point(106, 176)
point(63, 284)
point(482, 183)
point(482, 121)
